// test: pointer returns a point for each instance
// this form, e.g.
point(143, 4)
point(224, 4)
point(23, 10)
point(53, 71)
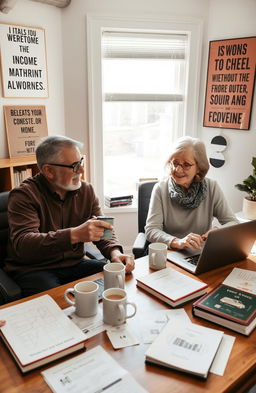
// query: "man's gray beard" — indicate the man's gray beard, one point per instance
point(69, 187)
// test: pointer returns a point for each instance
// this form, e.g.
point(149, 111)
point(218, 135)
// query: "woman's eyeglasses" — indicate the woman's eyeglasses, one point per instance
point(186, 166)
point(75, 166)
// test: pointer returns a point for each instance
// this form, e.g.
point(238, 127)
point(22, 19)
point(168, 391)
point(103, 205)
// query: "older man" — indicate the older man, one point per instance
point(51, 215)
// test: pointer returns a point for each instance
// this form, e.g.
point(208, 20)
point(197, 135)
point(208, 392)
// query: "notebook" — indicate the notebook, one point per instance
point(222, 247)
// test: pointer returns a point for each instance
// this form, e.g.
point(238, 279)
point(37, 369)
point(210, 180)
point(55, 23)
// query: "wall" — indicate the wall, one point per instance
point(30, 13)
point(230, 19)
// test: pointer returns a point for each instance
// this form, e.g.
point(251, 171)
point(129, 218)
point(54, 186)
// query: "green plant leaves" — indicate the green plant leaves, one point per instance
point(249, 184)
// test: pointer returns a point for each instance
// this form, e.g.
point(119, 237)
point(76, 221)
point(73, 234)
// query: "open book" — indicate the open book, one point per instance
point(37, 331)
point(171, 286)
point(186, 347)
point(231, 304)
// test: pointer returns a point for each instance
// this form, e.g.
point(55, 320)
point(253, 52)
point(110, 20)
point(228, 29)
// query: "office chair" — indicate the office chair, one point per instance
point(9, 290)
point(140, 245)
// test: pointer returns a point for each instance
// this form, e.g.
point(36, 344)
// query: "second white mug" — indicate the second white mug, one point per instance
point(86, 298)
point(157, 255)
point(115, 306)
point(114, 275)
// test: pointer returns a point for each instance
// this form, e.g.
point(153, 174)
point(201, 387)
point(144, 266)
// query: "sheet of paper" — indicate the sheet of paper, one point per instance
point(121, 337)
point(253, 250)
point(172, 283)
point(92, 372)
point(90, 326)
point(151, 324)
point(221, 358)
point(242, 279)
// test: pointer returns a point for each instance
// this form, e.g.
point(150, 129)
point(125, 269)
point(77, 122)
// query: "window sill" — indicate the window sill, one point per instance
point(121, 209)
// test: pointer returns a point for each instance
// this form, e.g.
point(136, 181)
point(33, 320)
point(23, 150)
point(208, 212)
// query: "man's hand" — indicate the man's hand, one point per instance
point(192, 240)
point(90, 231)
point(127, 260)
point(2, 323)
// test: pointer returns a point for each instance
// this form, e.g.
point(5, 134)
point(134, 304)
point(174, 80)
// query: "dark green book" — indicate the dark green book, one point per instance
point(229, 307)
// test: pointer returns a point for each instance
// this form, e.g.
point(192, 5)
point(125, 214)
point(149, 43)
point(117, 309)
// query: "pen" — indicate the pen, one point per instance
point(108, 386)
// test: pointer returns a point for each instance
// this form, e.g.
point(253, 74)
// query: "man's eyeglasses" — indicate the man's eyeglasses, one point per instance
point(186, 166)
point(75, 166)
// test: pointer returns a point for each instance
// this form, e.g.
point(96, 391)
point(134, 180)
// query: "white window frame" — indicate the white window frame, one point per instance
point(98, 23)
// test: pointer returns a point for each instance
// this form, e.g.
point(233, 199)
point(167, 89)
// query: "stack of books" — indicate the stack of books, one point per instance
point(116, 201)
point(185, 347)
point(37, 332)
point(171, 286)
point(20, 175)
point(231, 304)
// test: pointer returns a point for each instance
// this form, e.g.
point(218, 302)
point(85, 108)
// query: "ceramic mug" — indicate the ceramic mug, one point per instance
point(114, 275)
point(115, 306)
point(108, 233)
point(157, 255)
point(85, 295)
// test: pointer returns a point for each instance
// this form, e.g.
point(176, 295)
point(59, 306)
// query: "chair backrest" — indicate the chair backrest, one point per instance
point(144, 194)
point(4, 227)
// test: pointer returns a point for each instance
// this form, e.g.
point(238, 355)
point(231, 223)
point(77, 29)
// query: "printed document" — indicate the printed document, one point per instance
point(242, 279)
point(94, 371)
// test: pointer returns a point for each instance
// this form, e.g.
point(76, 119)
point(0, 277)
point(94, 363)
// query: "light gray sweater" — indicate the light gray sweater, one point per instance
point(167, 219)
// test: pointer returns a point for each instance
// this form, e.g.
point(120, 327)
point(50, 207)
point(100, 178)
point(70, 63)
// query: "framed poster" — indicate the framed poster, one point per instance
point(230, 83)
point(23, 61)
point(25, 126)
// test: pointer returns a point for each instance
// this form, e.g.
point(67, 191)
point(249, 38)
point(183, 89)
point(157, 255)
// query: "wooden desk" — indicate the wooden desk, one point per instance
point(239, 376)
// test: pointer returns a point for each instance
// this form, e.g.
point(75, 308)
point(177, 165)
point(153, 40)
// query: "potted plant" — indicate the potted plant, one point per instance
point(249, 186)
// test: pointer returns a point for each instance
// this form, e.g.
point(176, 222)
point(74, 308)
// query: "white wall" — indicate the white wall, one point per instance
point(30, 13)
point(230, 19)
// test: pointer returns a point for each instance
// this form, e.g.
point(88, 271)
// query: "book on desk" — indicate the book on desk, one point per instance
point(185, 347)
point(231, 304)
point(37, 332)
point(171, 286)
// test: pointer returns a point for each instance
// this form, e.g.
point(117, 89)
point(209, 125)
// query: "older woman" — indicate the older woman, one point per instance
point(183, 206)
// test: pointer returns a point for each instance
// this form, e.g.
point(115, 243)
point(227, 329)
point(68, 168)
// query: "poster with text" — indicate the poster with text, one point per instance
point(25, 126)
point(230, 83)
point(23, 61)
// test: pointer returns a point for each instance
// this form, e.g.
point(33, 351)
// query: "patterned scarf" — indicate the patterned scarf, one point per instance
point(191, 198)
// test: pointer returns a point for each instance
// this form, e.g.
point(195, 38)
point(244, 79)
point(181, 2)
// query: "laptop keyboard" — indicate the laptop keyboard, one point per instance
point(193, 259)
point(100, 282)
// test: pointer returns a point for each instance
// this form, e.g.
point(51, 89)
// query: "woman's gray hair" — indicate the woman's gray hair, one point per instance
point(199, 153)
point(50, 148)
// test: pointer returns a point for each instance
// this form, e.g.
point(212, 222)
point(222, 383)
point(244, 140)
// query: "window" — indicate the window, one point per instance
point(140, 92)
point(144, 83)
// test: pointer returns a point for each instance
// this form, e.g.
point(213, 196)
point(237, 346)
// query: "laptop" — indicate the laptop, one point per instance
point(224, 246)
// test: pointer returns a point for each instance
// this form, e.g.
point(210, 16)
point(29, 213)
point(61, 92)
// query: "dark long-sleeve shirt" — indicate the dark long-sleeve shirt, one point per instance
point(40, 225)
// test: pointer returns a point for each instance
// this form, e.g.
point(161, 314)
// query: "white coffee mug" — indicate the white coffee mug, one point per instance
point(115, 306)
point(157, 255)
point(114, 275)
point(86, 298)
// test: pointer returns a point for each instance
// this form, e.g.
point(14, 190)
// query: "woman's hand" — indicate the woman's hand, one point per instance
point(192, 240)
point(205, 235)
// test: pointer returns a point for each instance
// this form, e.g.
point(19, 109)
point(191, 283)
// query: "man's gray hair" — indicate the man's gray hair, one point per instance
point(50, 148)
point(199, 152)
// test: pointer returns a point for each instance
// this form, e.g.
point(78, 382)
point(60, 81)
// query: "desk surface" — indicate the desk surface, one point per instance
point(239, 375)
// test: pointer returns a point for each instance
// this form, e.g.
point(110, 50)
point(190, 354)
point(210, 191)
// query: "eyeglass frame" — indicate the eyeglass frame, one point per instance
point(75, 166)
point(185, 168)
